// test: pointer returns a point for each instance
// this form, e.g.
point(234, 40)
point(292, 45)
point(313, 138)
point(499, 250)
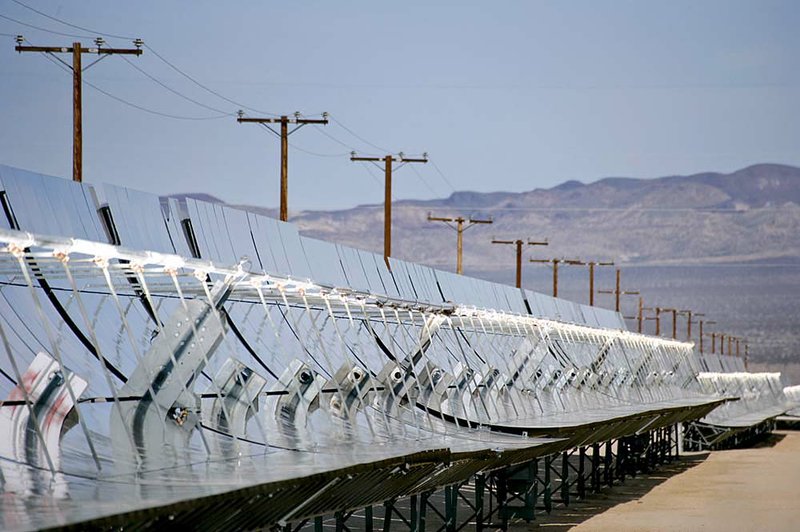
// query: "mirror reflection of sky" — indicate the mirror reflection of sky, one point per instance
point(504, 96)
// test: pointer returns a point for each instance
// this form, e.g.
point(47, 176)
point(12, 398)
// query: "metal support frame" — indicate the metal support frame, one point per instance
point(703, 437)
point(493, 499)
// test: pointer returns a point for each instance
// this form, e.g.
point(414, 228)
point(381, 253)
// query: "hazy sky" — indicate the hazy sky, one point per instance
point(503, 95)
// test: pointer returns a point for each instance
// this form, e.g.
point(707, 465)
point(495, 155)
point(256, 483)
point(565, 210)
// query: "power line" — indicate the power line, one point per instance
point(441, 174)
point(149, 48)
point(425, 183)
point(317, 154)
point(131, 104)
point(371, 174)
point(711, 265)
point(709, 210)
point(173, 91)
point(71, 25)
point(45, 29)
point(112, 36)
point(179, 71)
point(334, 139)
point(59, 64)
point(359, 137)
point(344, 144)
point(153, 111)
point(199, 84)
point(56, 62)
point(205, 88)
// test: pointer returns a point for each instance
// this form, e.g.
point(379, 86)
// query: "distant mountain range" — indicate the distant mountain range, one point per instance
point(749, 215)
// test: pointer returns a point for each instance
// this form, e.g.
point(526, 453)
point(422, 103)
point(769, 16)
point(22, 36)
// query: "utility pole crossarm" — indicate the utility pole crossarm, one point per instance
point(440, 219)
point(71, 49)
point(245, 119)
point(623, 292)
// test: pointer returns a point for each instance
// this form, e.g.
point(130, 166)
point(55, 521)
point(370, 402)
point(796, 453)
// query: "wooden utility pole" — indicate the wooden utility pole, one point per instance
point(591, 264)
point(641, 314)
point(674, 323)
point(639, 317)
point(642, 318)
point(701, 323)
point(689, 315)
point(519, 244)
point(460, 228)
point(657, 318)
point(284, 121)
point(555, 263)
point(721, 343)
point(658, 321)
point(674, 312)
point(387, 198)
point(77, 50)
point(746, 353)
point(618, 291)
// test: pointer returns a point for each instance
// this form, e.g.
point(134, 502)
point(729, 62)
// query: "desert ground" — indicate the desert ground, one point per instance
point(744, 489)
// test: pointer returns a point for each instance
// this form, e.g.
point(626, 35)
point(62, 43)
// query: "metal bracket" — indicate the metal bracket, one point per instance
point(350, 389)
point(397, 388)
point(168, 410)
point(301, 387)
point(238, 388)
point(31, 426)
point(434, 384)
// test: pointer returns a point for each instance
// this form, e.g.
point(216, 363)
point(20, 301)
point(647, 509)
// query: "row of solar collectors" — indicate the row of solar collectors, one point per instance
point(577, 363)
point(226, 235)
point(713, 362)
point(792, 394)
point(760, 397)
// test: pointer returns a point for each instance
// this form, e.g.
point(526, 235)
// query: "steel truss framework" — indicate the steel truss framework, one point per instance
point(493, 499)
point(153, 375)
